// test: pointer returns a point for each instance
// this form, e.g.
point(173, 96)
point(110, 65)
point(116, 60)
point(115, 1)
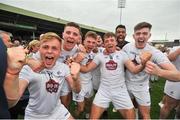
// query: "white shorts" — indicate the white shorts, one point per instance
point(141, 97)
point(60, 112)
point(65, 89)
point(119, 97)
point(172, 89)
point(86, 92)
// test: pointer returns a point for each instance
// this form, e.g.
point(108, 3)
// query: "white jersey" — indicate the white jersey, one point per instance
point(44, 89)
point(177, 61)
point(86, 81)
point(96, 72)
point(36, 55)
point(112, 83)
point(112, 69)
point(87, 77)
point(140, 81)
point(64, 55)
point(173, 88)
point(100, 49)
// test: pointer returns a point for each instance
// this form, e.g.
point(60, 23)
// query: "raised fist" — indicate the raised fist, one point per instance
point(75, 69)
point(16, 57)
point(80, 56)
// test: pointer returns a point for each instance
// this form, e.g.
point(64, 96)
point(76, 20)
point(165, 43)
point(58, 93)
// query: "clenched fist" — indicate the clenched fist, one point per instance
point(80, 56)
point(16, 57)
point(75, 69)
point(145, 56)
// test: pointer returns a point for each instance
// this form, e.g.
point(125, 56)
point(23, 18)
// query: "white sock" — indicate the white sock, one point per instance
point(114, 110)
point(161, 104)
point(136, 112)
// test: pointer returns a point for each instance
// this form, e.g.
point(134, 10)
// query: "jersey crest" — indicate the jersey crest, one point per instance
point(111, 65)
point(52, 86)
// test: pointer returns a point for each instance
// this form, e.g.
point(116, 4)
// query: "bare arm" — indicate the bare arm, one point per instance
point(16, 90)
point(80, 56)
point(12, 85)
point(145, 56)
point(170, 74)
point(73, 79)
point(133, 68)
point(173, 56)
point(74, 83)
point(88, 67)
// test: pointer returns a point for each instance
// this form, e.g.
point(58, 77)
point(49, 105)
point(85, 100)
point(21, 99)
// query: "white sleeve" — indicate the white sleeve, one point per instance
point(96, 59)
point(124, 56)
point(67, 70)
point(26, 73)
point(159, 57)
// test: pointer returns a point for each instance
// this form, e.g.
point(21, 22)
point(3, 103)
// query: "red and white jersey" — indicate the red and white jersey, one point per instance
point(44, 89)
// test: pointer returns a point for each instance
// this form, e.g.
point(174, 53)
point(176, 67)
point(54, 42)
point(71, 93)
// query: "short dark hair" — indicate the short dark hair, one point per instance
point(73, 24)
point(91, 34)
point(142, 25)
point(121, 26)
point(109, 34)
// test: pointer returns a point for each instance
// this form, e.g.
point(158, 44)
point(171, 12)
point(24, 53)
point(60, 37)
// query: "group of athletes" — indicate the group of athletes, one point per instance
point(69, 68)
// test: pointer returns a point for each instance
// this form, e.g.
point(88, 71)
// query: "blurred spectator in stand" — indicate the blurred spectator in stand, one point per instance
point(16, 43)
point(24, 43)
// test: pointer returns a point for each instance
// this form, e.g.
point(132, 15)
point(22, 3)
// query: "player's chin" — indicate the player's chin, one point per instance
point(49, 64)
point(141, 45)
